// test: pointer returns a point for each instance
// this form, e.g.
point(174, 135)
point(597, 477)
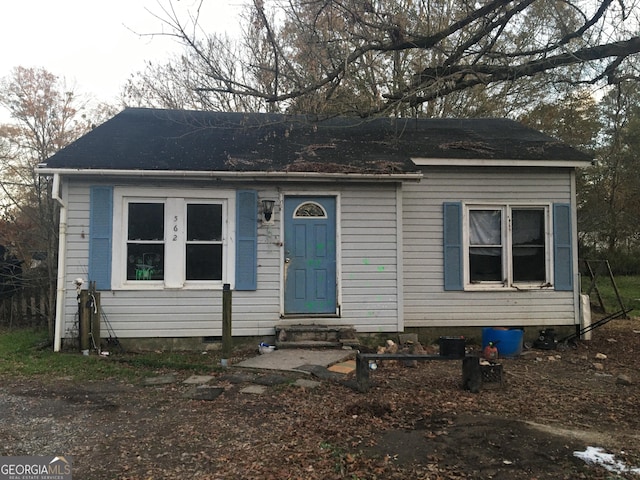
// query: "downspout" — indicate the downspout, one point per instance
point(62, 260)
point(574, 248)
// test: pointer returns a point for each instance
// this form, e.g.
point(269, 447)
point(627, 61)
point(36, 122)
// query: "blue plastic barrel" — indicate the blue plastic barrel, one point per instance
point(508, 342)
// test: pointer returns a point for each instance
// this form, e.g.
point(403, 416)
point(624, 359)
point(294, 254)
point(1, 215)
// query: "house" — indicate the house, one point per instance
point(383, 224)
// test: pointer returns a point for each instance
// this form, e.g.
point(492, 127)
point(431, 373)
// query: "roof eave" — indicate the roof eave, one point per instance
point(225, 175)
point(498, 162)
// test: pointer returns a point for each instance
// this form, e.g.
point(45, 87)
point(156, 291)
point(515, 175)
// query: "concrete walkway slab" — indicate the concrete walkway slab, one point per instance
point(198, 379)
point(160, 380)
point(254, 389)
point(292, 359)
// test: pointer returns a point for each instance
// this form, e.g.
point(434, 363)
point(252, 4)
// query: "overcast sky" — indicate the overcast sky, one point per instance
point(92, 42)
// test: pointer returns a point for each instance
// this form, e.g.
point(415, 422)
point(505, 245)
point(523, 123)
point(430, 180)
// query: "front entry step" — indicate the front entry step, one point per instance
point(315, 336)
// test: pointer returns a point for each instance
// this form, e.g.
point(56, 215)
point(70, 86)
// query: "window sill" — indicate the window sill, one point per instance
point(159, 286)
point(523, 287)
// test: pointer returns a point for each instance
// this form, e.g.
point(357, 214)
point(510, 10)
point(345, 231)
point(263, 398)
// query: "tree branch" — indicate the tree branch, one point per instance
point(455, 78)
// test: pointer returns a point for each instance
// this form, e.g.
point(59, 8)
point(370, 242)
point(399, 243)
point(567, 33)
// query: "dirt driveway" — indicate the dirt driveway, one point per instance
point(415, 423)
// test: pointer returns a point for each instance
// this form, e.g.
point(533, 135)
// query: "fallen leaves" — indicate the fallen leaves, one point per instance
point(413, 423)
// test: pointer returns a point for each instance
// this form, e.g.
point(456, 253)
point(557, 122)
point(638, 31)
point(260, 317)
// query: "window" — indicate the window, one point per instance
point(204, 242)
point(145, 241)
point(173, 241)
point(485, 246)
point(309, 209)
point(507, 245)
point(528, 249)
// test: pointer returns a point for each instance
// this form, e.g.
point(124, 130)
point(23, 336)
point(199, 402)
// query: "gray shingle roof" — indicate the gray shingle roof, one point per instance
point(149, 139)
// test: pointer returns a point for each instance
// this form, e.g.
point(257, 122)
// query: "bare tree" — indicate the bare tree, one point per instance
point(574, 119)
point(191, 80)
point(404, 56)
point(46, 117)
point(611, 193)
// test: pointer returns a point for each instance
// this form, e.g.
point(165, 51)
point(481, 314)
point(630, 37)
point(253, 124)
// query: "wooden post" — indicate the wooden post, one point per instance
point(471, 374)
point(95, 319)
point(362, 373)
point(84, 323)
point(227, 340)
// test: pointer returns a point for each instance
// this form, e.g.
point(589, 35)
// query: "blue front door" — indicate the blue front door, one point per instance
point(310, 255)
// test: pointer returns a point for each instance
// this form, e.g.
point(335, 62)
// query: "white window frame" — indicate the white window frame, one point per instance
point(175, 201)
point(507, 251)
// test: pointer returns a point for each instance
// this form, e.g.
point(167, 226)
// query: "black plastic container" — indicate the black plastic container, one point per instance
point(452, 347)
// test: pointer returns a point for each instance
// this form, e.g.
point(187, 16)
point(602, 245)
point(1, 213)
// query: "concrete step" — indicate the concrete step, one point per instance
point(309, 335)
point(313, 327)
point(308, 344)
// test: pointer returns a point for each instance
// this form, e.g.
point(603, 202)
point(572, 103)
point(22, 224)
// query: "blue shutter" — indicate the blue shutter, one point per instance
point(247, 240)
point(100, 231)
point(562, 247)
point(453, 246)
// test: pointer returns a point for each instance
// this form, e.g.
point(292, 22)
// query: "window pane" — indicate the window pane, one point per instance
point(528, 227)
point(529, 264)
point(204, 222)
point(146, 221)
point(529, 251)
point(309, 209)
point(485, 227)
point(145, 261)
point(485, 264)
point(204, 262)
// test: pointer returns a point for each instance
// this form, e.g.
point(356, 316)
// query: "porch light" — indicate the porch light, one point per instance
point(267, 209)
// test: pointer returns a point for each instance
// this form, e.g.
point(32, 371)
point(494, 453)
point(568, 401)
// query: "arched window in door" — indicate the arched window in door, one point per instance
point(309, 209)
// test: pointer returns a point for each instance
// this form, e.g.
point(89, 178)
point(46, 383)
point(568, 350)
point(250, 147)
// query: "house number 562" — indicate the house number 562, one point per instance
point(175, 228)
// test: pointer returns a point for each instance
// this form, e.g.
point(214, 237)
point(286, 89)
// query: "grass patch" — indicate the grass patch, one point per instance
point(22, 354)
point(628, 289)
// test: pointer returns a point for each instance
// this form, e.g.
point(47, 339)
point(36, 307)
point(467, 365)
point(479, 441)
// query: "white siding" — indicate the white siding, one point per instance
point(426, 303)
point(368, 279)
point(369, 259)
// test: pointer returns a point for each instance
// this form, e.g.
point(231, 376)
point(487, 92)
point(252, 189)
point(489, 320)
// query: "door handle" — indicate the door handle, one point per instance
point(287, 260)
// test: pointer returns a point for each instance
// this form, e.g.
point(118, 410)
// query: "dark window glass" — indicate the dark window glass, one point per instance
point(204, 242)
point(146, 221)
point(204, 262)
point(204, 222)
point(485, 264)
point(145, 261)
